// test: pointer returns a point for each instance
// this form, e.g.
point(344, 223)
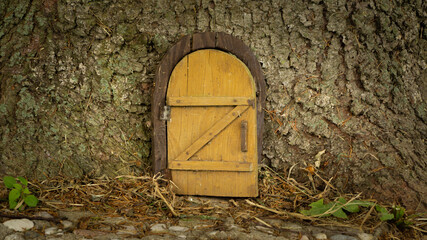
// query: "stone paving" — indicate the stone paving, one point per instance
point(70, 227)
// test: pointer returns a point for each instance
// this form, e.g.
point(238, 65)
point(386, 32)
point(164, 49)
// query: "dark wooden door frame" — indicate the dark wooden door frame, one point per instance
point(183, 47)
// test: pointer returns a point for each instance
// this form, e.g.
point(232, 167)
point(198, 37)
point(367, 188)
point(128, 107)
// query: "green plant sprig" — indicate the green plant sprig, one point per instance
point(19, 194)
point(341, 207)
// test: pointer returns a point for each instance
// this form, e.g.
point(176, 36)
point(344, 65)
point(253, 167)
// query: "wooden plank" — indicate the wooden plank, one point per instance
point(211, 166)
point(209, 101)
point(222, 187)
point(211, 133)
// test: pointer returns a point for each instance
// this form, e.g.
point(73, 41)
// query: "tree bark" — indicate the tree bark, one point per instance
point(347, 77)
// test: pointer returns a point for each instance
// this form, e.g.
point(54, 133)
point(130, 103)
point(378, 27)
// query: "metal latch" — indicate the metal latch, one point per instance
point(244, 135)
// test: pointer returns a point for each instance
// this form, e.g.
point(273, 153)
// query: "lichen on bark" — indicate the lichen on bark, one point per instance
point(347, 77)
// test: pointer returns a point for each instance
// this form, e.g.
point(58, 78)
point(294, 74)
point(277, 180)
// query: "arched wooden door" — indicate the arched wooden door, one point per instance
point(212, 129)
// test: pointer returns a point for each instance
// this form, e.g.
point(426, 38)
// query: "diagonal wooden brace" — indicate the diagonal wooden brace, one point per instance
point(211, 133)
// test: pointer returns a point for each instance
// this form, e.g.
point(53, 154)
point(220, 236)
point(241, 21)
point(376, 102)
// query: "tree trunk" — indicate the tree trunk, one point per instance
point(347, 77)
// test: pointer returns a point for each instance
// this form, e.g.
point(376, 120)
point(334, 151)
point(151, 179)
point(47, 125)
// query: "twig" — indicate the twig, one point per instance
point(19, 204)
point(134, 177)
point(310, 177)
point(234, 203)
point(287, 181)
point(261, 221)
point(71, 187)
point(156, 185)
point(308, 194)
point(367, 216)
point(297, 215)
point(418, 229)
point(328, 183)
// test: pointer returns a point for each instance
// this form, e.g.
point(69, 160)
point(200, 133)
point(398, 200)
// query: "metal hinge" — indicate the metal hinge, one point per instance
point(165, 113)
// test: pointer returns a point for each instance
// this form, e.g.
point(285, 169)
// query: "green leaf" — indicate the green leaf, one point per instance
point(398, 212)
point(14, 195)
point(381, 209)
point(318, 209)
point(31, 200)
point(12, 204)
point(349, 207)
point(386, 216)
point(17, 186)
point(336, 208)
point(340, 213)
point(23, 181)
point(26, 191)
point(318, 203)
point(383, 213)
point(9, 181)
point(353, 208)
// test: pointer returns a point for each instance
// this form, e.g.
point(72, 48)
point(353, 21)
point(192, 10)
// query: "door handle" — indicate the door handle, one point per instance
point(244, 136)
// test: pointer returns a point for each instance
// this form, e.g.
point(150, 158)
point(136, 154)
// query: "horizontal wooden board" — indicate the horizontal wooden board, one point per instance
point(211, 166)
point(209, 101)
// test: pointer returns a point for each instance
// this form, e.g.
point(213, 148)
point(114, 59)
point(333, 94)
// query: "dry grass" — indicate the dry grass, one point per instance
point(151, 199)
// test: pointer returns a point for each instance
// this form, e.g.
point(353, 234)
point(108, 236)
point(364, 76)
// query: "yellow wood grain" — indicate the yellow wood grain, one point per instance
point(202, 91)
point(208, 101)
point(211, 133)
point(211, 166)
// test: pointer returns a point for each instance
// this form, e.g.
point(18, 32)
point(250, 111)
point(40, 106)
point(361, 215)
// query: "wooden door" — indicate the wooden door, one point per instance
point(211, 133)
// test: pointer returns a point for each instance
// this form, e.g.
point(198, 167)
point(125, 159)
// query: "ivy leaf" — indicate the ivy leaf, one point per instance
point(340, 214)
point(336, 208)
point(9, 181)
point(317, 209)
point(354, 206)
point(31, 200)
point(23, 181)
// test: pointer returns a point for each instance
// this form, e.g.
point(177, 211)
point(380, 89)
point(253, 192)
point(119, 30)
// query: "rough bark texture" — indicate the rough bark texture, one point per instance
point(345, 77)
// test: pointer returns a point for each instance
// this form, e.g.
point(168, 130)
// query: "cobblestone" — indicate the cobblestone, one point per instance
point(190, 229)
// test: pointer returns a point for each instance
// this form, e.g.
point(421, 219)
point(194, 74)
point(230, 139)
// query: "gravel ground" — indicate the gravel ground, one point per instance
point(73, 227)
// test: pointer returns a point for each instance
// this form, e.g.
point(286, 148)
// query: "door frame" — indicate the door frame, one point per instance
point(188, 44)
